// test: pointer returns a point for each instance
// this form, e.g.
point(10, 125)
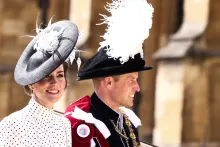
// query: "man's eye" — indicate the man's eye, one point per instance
point(130, 81)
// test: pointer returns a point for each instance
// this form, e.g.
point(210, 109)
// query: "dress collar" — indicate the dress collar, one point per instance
point(102, 108)
point(39, 110)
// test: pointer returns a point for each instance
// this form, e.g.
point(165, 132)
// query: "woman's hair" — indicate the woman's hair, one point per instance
point(28, 91)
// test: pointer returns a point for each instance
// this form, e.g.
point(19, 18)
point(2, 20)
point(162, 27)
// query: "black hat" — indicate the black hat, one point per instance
point(48, 50)
point(121, 51)
point(100, 65)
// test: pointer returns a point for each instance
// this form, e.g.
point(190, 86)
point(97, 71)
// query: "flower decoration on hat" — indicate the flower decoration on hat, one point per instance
point(127, 28)
point(49, 40)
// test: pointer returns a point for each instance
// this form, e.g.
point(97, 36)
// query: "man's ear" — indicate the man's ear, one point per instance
point(108, 81)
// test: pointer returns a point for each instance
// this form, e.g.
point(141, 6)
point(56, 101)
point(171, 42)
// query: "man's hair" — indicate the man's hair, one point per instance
point(28, 91)
point(116, 78)
point(96, 81)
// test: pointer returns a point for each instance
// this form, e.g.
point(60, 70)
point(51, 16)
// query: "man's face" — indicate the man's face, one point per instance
point(123, 89)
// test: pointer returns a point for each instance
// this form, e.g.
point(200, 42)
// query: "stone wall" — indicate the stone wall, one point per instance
point(165, 22)
point(18, 18)
point(201, 113)
point(195, 121)
point(196, 104)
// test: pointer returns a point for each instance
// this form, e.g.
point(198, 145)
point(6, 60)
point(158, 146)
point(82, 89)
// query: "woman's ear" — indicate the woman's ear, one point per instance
point(31, 87)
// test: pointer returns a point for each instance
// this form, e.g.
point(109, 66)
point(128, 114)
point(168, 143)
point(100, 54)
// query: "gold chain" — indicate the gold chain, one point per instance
point(121, 134)
point(118, 131)
point(132, 135)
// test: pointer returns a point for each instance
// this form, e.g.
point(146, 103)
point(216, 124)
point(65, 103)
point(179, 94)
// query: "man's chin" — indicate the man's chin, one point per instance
point(129, 105)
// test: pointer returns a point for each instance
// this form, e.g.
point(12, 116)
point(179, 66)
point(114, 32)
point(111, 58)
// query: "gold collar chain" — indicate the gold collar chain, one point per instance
point(123, 134)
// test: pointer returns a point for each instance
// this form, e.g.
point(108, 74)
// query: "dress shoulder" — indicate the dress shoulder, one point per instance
point(8, 126)
point(11, 119)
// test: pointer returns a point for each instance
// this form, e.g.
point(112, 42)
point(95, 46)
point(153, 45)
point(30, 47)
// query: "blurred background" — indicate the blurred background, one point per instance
point(179, 102)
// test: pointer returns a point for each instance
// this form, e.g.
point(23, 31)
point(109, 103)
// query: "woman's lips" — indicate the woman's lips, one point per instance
point(52, 91)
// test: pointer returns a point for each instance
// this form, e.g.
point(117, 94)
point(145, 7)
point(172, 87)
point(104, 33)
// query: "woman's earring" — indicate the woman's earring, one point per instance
point(32, 92)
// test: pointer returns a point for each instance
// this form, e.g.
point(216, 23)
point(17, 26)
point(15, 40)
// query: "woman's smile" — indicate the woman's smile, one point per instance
point(52, 91)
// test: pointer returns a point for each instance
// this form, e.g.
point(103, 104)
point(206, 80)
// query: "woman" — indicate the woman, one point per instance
point(41, 69)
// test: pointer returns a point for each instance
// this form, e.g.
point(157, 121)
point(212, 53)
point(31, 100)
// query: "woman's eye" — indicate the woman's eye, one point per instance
point(60, 76)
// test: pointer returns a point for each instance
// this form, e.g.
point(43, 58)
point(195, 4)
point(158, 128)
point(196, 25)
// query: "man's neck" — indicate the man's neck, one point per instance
point(107, 101)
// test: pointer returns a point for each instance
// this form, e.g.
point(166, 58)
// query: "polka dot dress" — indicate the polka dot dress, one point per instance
point(35, 126)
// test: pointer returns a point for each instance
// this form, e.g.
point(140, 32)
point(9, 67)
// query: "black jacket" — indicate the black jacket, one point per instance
point(104, 113)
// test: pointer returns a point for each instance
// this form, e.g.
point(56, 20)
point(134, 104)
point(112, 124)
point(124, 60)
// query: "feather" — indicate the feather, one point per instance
point(127, 28)
point(37, 29)
point(28, 36)
point(50, 21)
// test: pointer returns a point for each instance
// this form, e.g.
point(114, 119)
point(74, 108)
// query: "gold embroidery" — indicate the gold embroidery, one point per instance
point(132, 135)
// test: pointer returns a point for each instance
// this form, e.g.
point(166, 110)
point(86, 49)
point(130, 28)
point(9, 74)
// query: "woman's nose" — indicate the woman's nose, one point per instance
point(53, 80)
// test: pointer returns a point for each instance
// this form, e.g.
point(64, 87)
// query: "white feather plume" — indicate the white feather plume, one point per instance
point(128, 27)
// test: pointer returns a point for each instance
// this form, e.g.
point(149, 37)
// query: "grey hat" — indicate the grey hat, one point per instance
point(49, 49)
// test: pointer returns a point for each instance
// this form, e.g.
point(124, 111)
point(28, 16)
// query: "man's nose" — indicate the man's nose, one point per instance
point(137, 87)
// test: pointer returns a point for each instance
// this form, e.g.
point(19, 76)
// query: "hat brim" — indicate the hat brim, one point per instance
point(111, 71)
point(24, 77)
point(101, 65)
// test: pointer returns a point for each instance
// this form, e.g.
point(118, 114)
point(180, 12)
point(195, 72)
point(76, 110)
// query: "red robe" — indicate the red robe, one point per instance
point(77, 141)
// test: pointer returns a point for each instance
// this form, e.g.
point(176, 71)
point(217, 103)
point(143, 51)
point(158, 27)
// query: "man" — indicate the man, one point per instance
point(103, 120)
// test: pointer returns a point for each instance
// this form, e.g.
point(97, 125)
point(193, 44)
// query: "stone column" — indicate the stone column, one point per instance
point(164, 19)
point(169, 103)
point(172, 75)
point(86, 14)
point(80, 13)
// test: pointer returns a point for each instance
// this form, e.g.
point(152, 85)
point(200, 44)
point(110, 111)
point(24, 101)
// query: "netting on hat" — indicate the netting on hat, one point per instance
point(127, 28)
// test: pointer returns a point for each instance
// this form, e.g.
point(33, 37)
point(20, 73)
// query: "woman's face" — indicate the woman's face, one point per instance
point(49, 90)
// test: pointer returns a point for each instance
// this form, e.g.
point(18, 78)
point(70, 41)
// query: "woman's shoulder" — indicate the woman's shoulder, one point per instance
point(11, 119)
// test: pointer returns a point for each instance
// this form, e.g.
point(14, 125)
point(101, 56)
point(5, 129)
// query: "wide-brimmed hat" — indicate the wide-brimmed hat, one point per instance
point(121, 51)
point(100, 65)
point(50, 48)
